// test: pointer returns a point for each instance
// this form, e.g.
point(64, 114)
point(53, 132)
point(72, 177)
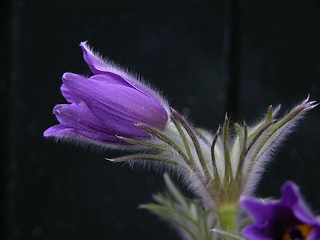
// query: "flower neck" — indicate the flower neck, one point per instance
point(227, 212)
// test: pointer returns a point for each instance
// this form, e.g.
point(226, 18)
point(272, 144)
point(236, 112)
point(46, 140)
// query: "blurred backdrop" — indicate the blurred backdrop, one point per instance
point(207, 57)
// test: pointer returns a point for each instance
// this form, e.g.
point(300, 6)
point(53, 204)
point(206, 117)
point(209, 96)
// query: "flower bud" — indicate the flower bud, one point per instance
point(106, 105)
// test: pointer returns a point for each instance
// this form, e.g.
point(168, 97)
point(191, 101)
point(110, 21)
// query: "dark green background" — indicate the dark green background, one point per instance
point(207, 57)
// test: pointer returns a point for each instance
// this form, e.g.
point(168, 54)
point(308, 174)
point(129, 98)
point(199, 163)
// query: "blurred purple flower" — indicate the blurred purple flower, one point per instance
point(284, 219)
point(106, 105)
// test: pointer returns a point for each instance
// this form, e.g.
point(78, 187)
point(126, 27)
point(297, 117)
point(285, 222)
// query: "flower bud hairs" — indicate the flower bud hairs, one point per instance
point(113, 109)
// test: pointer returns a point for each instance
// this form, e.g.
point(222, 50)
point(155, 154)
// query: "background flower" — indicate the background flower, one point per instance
point(287, 218)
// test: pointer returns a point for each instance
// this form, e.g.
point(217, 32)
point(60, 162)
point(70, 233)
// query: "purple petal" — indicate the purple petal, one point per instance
point(256, 232)
point(99, 66)
point(57, 130)
point(258, 209)
point(62, 132)
point(119, 107)
point(293, 199)
point(76, 116)
point(66, 92)
point(106, 78)
point(111, 78)
point(303, 213)
point(95, 63)
point(290, 194)
point(79, 118)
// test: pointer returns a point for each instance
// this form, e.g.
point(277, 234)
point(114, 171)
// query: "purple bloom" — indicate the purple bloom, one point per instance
point(106, 105)
point(284, 219)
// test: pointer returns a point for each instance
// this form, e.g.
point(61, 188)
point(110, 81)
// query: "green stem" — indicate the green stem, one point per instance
point(228, 216)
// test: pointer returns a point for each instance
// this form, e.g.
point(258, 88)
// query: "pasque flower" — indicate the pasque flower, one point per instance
point(284, 219)
point(112, 108)
point(106, 105)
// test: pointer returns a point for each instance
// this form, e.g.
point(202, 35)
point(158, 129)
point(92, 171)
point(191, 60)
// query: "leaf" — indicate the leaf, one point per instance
point(188, 215)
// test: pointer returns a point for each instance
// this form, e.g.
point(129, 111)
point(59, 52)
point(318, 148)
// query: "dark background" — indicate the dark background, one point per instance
point(208, 57)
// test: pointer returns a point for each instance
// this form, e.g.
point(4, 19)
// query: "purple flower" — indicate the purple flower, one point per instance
point(108, 104)
point(284, 219)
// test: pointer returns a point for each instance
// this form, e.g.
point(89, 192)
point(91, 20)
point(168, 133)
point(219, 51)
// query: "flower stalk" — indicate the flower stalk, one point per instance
point(227, 213)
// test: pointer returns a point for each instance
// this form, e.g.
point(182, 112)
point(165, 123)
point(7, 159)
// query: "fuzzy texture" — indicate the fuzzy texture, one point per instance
point(191, 219)
point(106, 105)
point(269, 141)
point(221, 167)
point(287, 218)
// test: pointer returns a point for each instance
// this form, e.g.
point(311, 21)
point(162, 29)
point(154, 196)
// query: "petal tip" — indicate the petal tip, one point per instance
point(46, 133)
point(85, 46)
point(51, 131)
point(83, 43)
